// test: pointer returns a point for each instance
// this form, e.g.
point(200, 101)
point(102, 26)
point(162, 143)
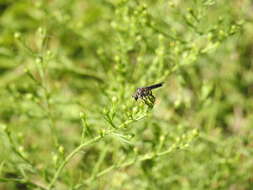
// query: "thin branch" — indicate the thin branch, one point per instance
point(69, 157)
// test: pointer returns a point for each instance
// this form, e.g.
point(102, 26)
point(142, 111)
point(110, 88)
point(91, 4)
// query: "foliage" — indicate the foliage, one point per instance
point(68, 70)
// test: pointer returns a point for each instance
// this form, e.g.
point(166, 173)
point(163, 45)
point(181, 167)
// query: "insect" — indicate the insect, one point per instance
point(146, 92)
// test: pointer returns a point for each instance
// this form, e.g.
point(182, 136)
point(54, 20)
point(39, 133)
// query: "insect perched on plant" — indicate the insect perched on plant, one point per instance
point(145, 93)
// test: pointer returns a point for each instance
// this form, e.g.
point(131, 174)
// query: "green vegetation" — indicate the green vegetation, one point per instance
point(68, 70)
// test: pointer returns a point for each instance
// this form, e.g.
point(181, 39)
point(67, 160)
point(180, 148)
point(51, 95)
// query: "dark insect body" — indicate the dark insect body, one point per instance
point(144, 92)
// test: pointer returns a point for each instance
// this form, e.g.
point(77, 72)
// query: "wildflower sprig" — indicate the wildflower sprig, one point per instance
point(68, 78)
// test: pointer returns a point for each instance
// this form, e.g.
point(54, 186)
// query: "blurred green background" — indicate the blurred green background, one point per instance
point(68, 70)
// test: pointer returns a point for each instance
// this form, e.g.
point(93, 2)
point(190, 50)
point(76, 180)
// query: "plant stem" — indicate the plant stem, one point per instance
point(69, 157)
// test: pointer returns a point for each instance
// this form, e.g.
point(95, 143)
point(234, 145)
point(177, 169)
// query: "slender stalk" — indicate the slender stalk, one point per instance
point(80, 147)
point(69, 157)
point(23, 181)
point(17, 152)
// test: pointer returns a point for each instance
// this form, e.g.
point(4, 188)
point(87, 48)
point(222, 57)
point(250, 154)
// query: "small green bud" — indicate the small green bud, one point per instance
point(195, 132)
point(221, 32)
point(29, 96)
point(81, 114)
point(4, 127)
point(38, 4)
point(162, 138)
point(100, 51)
point(40, 30)
point(113, 24)
point(61, 149)
point(21, 149)
point(139, 59)
point(188, 16)
point(221, 18)
point(38, 60)
point(79, 25)
point(152, 23)
point(209, 36)
point(144, 12)
point(177, 103)
point(138, 38)
point(26, 70)
point(102, 132)
point(135, 109)
point(190, 10)
point(117, 12)
point(172, 4)
point(126, 19)
point(136, 150)
point(174, 146)
point(105, 111)
point(50, 101)
point(116, 58)
point(114, 99)
point(160, 37)
point(49, 53)
point(17, 35)
point(144, 6)
point(55, 158)
point(130, 136)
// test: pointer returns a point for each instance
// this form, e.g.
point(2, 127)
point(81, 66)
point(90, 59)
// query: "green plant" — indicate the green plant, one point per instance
point(68, 70)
